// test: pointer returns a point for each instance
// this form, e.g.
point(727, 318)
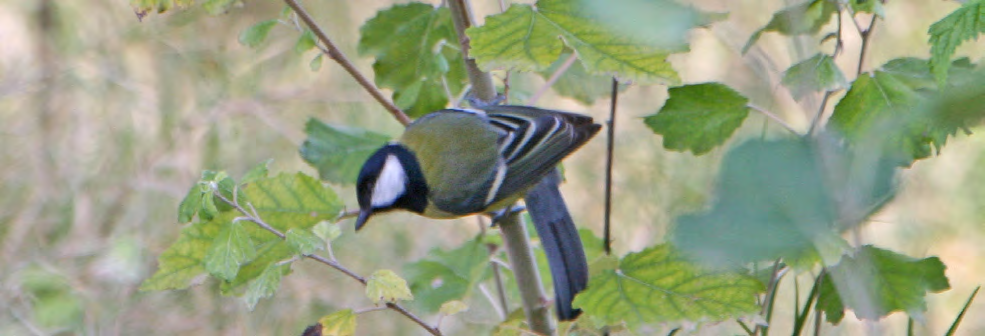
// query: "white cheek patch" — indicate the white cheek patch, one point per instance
point(391, 184)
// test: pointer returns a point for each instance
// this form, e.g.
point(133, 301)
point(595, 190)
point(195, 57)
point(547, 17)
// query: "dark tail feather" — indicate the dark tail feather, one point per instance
point(559, 237)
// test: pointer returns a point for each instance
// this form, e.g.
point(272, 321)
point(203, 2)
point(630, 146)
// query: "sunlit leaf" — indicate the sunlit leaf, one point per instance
point(255, 35)
point(385, 286)
point(339, 152)
point(231, 248)
point(265, 285)
point(816, 74)
point(529, 38)
point(658, 284)
point(340, 323)
point(408, 42)
point(805, 18)
point(875, 282)
point(304, 241)
point(699, 117)
point(946, 35)
point(183, 261)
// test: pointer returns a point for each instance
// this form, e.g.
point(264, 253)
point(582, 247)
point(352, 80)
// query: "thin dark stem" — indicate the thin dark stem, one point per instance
point(801, 318)
point(820, 112)
point(767, 310)
point(865, 44)
point(498, 279)
point(817, 312)
point(610, 148)
point(336, 54)
point(482, 83)
point(255, 218)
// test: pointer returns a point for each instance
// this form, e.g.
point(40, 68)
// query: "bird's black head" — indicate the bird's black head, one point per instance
point(390, 179)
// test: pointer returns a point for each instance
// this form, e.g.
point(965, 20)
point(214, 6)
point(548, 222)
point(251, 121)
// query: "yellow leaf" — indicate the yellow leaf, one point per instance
point(386, 286)
point(340, 323)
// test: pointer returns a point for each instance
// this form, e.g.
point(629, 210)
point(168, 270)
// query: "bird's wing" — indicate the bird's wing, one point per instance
point(532, 142)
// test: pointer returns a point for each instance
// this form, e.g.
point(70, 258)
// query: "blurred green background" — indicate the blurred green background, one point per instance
point(106, 121)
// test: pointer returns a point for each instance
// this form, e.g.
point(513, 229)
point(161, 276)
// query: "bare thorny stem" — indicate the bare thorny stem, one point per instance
point(335, 54)
point(252, 216)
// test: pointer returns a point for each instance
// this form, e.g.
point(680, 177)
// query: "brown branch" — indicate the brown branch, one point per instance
point(335, 54)
point(609, 150)
point(482, 83)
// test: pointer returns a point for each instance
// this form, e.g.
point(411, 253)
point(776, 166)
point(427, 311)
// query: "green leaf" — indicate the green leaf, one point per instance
point(868, 6)
point(51, 297)
point(816, 74)
point(255, 35)
point(876, 282)
point(658, 284)
point(340, 323)
point(208, 208)
point(338, 152)
point(527, 38)
point(141, 7)
point(699, 117)
point(266, 284)
point(897, 114)
point(384, 286)
point(327, 231)
point(957, 320)
point(805, 18)
point(190, 204)
point(182, 262)
point(304, 242)
point(256, 173)
point(946, 35)
point(268, 253)
point(444, 276)
point(316, 61)
point(305, 42)
point(661, 23)
point(231, 248)
point(408, 42)
point(772, 200)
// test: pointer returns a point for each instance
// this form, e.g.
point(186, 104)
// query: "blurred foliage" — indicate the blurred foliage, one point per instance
point(107, 121)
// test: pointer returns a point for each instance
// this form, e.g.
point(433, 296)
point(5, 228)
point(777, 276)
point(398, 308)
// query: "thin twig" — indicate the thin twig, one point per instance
point(255, 218)
point(774, 117)
point(498, 278)
point(553, 79)
point(482, 83)
point(768, 301)
point(865, 43)
point(609, 149)
point(334, 53)
point(820, 112)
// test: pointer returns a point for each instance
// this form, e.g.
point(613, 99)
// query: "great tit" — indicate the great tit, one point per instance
point(457, 162)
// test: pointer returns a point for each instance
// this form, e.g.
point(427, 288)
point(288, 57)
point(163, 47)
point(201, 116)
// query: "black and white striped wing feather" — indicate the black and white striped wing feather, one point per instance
point(532, 142)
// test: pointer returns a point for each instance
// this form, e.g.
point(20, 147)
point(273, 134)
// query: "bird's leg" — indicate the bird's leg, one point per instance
point(502, 213)
point(481, 104)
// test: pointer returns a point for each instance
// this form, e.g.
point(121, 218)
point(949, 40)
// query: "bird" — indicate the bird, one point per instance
point(457, 162)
